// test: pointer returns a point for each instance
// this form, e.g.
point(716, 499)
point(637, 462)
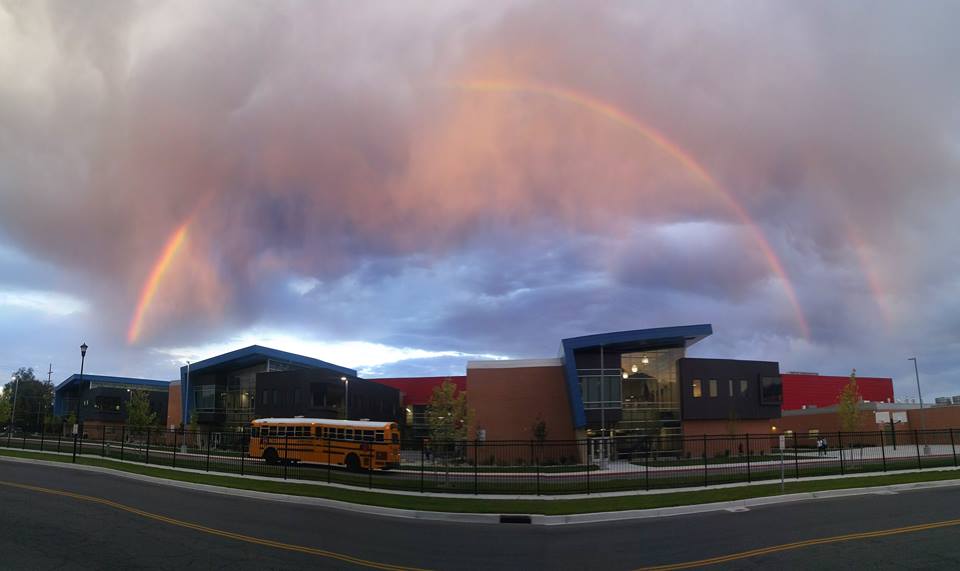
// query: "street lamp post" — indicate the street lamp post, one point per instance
point(78, 428)
point(346, 398)
point(185, 413)
point(16, 379)
point(923, 420)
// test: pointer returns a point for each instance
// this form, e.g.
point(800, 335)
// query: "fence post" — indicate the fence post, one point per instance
point(175, 447)
point(796, 458)
point(421, 464)
point(476, 467)
point(883, 451)
point(589, 464)
point(537, 459)
point(840, 447)
point(23, 441)
point(704, 460)
point(59, 436)
point(329, 458)
point(916, 441)
point(75, 445)
point(208, 451)
point(749, 478)
point(953, 447)
point(243, 453)
point(286, 453)
point(123, 439)
point(103, 441)
point(148, 444)
point(43, 431)
point(646, 473)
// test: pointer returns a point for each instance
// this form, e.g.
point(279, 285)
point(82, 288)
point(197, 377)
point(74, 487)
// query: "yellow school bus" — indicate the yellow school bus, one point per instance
point(355, 444)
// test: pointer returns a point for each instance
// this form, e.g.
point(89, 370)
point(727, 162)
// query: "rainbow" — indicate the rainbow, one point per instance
point(160, 268)
point(862, 251)
point(689, 163)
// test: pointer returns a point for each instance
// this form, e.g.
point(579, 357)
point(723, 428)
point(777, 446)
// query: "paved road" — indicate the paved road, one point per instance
point(210, 531)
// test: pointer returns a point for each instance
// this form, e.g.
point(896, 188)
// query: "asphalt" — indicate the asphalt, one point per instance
point(47, 531)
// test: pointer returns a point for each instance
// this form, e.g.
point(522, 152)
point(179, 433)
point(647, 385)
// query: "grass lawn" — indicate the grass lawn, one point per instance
point(482, 505)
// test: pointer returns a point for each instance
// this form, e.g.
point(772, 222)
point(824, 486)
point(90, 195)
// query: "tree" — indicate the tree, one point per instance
point(447, 413)
point(539, 430)
point(139, 414)
point(848, 403)
point(34, 400)
point(4, 408)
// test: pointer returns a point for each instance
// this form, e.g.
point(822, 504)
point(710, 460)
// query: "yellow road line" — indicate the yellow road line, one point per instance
point(218, 532)
point(801, 544)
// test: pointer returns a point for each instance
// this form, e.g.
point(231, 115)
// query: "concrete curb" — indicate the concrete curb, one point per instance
point(535, 519)
point(737, 505)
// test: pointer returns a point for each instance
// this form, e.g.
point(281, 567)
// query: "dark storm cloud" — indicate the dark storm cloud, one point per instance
point(317, 141)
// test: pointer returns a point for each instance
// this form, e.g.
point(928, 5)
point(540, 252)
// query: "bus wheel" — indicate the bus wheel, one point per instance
point(353, 463)
point(270, 456)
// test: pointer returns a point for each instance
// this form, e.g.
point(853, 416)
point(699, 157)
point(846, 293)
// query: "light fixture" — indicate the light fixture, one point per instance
point(645, 360)
point(634, 368)
point(625, 375)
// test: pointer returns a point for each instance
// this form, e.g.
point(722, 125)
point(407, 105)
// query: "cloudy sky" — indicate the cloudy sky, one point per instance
point(400, 186)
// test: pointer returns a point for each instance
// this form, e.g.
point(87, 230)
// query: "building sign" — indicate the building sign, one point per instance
point(883, 417)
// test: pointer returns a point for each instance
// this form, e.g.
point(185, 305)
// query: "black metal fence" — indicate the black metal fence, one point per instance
point(531, 467)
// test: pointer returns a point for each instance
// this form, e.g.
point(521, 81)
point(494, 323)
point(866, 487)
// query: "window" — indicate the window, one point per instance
point(107, 404)
point(730, 384)
point(368, 436)
point(713, 387)
point(744, 387)
point(254, 432)
point(348, 434)
point(697, 389)
point(379, 436)
point(771, 391)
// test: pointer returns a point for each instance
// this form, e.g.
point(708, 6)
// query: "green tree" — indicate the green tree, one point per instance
point(34, 400)
point(848, 405)
point(5, 407)
point(447, 413)
point(539, 430)
point(139, 415)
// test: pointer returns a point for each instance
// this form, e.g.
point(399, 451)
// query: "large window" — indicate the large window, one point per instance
point(771, 391)
point(697, 388)
point(713, 387)
point(107, 404)
point(597, 394)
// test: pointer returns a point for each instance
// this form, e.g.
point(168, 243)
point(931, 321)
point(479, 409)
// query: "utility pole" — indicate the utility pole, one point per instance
point(50, 373)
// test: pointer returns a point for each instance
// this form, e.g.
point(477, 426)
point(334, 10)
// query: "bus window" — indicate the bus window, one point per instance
point(339, 434)
point(254, 432)
point(298, 431)
point(379, 436)
point(348, 434)
point(368, 436)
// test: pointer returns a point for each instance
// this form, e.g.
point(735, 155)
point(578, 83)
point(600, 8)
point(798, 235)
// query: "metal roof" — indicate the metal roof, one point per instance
point(256, 353)
point(112, 380)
